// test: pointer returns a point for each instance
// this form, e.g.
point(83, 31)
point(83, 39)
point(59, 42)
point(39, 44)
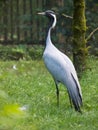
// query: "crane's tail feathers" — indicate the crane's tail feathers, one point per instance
point(76, 104)
point(75, 101)
point(76, 96)
point(78, 91)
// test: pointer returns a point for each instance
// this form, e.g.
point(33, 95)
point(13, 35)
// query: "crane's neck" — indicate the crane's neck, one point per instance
point(51, 26)
point(48, 37)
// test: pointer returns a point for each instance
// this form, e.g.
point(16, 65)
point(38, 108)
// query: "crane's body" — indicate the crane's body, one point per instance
point(61, 67)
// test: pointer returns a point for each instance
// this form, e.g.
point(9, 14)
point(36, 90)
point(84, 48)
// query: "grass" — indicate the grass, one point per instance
point(32, 86)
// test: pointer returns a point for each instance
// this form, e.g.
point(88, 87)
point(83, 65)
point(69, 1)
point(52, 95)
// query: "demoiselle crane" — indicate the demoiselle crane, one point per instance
point(61, 67)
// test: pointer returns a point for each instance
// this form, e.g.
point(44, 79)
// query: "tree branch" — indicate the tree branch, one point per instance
point(67, 16)
point(91, 34)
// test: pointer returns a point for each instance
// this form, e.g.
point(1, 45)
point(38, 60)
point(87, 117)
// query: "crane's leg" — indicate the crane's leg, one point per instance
point(57, 93)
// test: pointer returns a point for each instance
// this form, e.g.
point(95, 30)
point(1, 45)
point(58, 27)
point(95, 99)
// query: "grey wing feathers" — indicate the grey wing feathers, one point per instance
point(72, 71)
point(75, 89)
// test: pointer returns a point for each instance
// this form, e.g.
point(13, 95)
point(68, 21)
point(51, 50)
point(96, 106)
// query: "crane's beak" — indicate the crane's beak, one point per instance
point(41, 13)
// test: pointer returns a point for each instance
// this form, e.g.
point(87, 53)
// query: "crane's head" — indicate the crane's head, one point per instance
point(51, 15)
point(48, 13)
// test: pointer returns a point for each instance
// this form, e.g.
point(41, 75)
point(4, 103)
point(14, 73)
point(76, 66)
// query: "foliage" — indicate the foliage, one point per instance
point(24, 24)
point(92, 18)
point(10, 114)
point(18, 52)
point(31, 85)
point(36, 52)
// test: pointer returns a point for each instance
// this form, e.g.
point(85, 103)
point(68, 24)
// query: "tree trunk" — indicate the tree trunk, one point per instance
point(11, 20)
point(17, 20)
point(31, 21)
point(5, 20)
point(24, 13)
point(79, 29)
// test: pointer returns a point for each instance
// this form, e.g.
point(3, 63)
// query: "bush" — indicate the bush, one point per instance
point(18, 52)
point(35, 52)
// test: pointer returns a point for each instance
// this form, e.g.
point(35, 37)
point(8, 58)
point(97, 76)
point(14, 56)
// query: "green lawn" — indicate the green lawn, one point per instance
point(32, 86)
